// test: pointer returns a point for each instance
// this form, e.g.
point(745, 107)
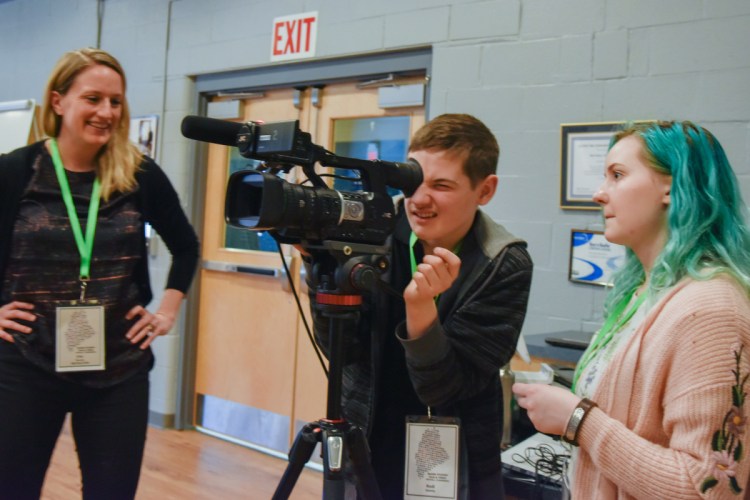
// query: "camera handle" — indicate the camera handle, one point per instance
point(338, 437)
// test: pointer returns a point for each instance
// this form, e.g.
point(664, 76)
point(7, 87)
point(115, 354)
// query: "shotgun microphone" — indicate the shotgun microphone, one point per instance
point(211, 130)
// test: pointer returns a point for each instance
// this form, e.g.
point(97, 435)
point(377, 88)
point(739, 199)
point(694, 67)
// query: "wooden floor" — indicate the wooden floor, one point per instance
point(187, 465)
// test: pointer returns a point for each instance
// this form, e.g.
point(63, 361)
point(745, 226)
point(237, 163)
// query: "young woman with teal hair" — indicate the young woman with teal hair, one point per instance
point(658, 406)
point(706, 220)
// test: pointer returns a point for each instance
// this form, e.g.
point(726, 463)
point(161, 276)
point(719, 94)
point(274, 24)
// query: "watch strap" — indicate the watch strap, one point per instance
point(576, 419)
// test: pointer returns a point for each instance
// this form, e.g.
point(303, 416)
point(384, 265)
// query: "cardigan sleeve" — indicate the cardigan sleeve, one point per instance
point(162, 209)
point(15, 173)
point(454, 361)
point(686, 435)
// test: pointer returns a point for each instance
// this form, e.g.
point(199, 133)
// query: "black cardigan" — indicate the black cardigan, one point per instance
point(157, 200)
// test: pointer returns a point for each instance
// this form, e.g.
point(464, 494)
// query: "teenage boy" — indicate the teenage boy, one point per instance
point(438, 349)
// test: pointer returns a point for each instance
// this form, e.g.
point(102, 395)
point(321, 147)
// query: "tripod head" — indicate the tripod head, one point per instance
point(343, 271)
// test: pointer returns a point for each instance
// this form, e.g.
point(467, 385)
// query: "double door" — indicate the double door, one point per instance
point(258, 379)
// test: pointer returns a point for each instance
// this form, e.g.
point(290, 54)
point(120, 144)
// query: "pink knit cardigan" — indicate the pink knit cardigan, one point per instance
point(667, 426)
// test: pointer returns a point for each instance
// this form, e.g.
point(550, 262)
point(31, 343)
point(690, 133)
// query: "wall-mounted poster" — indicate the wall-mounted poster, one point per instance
point(583, 149)
point(143, 133)
point(593, 259)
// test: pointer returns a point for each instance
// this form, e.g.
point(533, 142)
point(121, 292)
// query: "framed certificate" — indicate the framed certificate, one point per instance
point(593, 259)
point(583, 148)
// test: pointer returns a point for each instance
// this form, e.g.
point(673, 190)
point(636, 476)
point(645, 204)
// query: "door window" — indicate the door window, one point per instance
point(382, 138)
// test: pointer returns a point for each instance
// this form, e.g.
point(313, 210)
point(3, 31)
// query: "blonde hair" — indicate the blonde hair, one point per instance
point(118, 160)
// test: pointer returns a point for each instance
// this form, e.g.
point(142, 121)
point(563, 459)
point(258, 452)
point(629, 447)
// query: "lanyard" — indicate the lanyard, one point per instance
point(85, 246)
point(614, 323)
point(413, 242)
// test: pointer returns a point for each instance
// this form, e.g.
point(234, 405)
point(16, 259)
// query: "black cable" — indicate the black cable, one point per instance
point(548, 465)
point(301, 312)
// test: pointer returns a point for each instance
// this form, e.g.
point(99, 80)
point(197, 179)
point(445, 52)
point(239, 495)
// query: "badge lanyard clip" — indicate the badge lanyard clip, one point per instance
point(84, 284)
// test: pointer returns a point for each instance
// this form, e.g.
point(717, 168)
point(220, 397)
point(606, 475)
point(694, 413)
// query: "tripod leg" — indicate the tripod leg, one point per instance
point(367, 485)
point(299, 454)
point(334, 483)
point(334, 489)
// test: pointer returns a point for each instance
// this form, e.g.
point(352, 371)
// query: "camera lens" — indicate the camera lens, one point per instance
point(249, 192)
point(261, 201)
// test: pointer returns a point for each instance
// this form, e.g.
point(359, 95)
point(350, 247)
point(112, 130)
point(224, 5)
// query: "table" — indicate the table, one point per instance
point(533, 468)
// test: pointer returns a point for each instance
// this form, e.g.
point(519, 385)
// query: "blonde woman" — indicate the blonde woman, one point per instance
point(75, 334)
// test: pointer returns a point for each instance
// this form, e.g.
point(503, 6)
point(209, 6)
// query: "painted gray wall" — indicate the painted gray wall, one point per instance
point(522, 66)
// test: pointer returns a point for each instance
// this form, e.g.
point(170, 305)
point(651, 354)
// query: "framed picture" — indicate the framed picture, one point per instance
point(143, 131)
point(593, 259)
point(583, 148)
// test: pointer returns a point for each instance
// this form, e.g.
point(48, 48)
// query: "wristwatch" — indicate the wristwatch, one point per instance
point(575, 421)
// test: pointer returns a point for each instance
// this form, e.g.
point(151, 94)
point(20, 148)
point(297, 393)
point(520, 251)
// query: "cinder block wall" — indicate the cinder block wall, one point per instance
point(522, 66)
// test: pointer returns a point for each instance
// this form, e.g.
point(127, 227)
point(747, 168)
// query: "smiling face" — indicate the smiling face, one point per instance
point(634, 199)
point(91, 109)
point(441, 211)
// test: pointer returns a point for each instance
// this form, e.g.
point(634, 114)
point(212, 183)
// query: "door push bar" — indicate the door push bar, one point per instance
point(229, 267)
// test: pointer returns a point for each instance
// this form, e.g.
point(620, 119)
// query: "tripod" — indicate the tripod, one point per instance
point(339, 438)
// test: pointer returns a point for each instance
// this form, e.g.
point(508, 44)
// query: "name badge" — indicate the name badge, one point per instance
point(431, 458)
point(79, 338)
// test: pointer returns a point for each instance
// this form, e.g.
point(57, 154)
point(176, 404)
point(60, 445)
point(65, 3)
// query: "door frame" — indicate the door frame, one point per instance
point(301, 74)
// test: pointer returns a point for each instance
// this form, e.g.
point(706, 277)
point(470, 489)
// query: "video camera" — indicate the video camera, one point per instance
point(257, 199)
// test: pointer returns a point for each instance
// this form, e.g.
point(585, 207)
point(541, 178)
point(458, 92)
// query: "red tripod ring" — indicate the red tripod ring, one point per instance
point(331, 299)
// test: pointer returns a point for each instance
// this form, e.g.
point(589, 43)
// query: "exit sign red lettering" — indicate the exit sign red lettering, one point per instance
point(294, 37)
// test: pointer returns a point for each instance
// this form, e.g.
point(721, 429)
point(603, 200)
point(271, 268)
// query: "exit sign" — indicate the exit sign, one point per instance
point(294, 37)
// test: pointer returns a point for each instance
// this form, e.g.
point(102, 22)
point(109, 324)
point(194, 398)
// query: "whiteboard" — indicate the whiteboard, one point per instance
point(15, 124)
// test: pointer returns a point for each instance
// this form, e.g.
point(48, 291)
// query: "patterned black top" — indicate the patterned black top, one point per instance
point(43, 268)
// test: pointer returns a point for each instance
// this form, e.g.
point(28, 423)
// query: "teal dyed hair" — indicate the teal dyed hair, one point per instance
point(707, 217)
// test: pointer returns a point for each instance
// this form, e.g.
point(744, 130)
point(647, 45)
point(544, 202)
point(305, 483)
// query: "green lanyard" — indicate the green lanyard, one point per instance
point(412, 243)
point(614, 322)
point(85, 246)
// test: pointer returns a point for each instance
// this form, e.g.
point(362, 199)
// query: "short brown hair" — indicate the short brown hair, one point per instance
point(464, 135)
